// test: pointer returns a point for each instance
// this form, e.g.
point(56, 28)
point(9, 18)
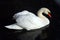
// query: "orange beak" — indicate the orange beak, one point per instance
point(49, 15)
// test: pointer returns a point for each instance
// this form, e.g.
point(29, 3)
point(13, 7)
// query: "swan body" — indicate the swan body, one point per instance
point(29, 21)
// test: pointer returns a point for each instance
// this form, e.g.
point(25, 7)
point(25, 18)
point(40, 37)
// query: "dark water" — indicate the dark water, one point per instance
point(9, 7)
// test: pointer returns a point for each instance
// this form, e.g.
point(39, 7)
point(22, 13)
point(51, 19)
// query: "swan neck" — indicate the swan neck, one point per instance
point(43, 18)
point(40, 14)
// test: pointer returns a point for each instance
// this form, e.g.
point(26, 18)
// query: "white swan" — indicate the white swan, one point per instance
point(30, 21)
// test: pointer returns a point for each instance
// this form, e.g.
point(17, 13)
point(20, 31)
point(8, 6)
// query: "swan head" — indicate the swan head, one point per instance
point(45, 11)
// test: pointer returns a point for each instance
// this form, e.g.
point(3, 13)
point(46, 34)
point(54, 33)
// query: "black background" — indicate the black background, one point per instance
point(9, 7)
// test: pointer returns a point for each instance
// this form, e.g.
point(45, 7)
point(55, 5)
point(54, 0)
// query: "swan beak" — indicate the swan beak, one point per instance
point(49, 15)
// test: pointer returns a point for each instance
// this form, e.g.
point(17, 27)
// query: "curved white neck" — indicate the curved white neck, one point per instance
point(40, 14)
point(44, 19)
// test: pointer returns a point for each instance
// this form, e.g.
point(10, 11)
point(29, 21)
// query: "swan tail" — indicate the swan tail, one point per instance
point(14, 26)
